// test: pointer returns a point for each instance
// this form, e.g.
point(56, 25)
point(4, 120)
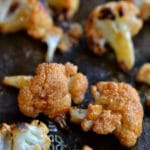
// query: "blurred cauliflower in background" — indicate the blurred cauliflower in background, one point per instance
point(31, 16)
point(144, 6)
point(114, 23)
point(64, 9)
point(143, 74)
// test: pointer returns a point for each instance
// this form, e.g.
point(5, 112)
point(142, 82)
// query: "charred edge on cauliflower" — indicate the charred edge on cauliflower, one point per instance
point(50, 91)
point(114, 23)
point(24, 136)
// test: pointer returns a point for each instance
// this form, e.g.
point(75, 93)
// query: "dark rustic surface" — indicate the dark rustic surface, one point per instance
point(20, 54)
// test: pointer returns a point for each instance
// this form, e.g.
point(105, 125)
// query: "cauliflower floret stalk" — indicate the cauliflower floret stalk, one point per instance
point(144, 6)
point(64, 9)
point(116, 109)
point(31, 16)
point(24, 136)
point(50, 91)
point(114, 23)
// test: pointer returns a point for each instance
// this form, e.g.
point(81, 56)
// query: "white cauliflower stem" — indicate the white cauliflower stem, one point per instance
point(24, 136)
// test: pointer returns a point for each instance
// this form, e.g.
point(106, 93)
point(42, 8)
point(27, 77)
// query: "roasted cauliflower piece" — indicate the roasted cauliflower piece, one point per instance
point(143, 74)
point(114, 23)
point(65, 9)
point(24, 136)
point(144, 6)
point(50, 91)
point(31, 16)
point(116, 109)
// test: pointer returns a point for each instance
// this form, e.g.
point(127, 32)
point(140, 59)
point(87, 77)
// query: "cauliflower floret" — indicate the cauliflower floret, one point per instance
point(72, 34)
point(114, 23)
point(85, 147)
point(116, 109)
point(31, 16)
point(65, 9)
point(51, 90)
point(143, 74)
point(25, 136)
point(144, 6)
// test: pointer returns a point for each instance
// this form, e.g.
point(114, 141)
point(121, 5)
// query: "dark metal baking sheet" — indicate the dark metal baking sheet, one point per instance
point(20, 54)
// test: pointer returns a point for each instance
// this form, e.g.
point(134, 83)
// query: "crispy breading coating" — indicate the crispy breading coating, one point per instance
point(24, 136)
point(64, 8)
point(143, 75)
point(51, 90)
point(144, 6)
point(114, 23)
point(116, 109)
point(31, 16)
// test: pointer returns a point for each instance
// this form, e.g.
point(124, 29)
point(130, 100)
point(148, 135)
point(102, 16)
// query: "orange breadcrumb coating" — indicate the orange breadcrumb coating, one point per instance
point(48, 91)
point(116, 109)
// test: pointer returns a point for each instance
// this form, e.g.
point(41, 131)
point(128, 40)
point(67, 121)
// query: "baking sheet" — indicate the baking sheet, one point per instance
point(20, 54)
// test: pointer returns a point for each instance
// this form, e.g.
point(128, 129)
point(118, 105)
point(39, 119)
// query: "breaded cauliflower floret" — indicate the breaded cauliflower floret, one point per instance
point(24, 136)
point(64, 8)
point(31, 16)
point(116, 109)
point(143, 74)
point(51, 90)
point(114, 23)
point(144, 6)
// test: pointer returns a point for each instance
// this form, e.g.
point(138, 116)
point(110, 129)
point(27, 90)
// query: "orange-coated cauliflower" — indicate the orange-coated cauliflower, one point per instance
point(114, 23)
point(116, 109)
point(50, 91)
